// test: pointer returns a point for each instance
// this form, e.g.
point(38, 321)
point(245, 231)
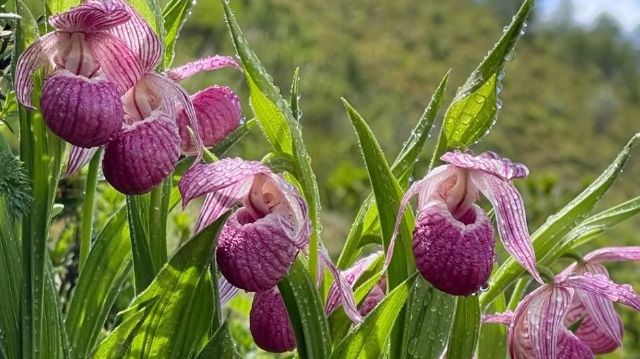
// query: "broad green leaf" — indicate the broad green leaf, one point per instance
point(220, 346)
point(493, 337)
point(466, 328)
point(369, 338)
point(280, 127)
point(559, 225)
point(10, 287)
point(179, 303)
point(475, 107)
point(306, 312)
point(174, 16)
point(150, 12)
point(110, 261)
point(388, 195)
point(430, 315)
point(366, 221)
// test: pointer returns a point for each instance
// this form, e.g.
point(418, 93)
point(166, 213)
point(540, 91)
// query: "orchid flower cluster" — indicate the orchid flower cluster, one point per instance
point(103, 88)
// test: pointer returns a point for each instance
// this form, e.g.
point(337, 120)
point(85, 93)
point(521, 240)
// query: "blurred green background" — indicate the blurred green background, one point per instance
point(571, 100)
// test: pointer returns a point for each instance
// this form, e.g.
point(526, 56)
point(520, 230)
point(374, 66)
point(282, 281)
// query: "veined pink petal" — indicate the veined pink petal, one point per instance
point(537, 323)
point(269, 322)
point(589, 332)
point(35, 57)
point(510, 216)
point(140, 38)
point(90, 17)
point(218, 202)
point(570, 347)
point(78, 158)
point(119, 64)
point(488, 162)
point(212, 177)
point(613, 254)
point(505, 318)
point(351, 275)
point(226, 291)
point(601, 285)
point(344, 289)
point(218, 112)
point(425, 189)
point(205, 64)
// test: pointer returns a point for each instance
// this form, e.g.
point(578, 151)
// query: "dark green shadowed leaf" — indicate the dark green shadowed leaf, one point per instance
point(306, 313)
point(174, 14)
point(143, 266)
point(475, 107)
point(430, 316)
point(280, 127)
point(366, 221)
point(559, 225)
point(171, 318)
point(220, 346)
point(466, 328)
point(493, 337)
point(369, 338)
point(10, 286)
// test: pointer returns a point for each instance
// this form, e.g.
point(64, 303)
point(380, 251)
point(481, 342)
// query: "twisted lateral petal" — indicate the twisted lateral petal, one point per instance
point(172, 94)
point(218, 202)
point(91, 16)
point(601, 285)
point(350, 275)
point(142, 155)
point(488, 162)
point(218, 112)
point(613, 254)
point(118, 63)
point(254, 256)
point(537, 323)
point(84, 112)
point(269, 323)
point(78, 158)
point(209, 63)
point(226, 291)
point(455, 257)
point(213, 177)
point(344, 288)
point(426, 188)
point(35, 57)
point(140, 38)
point(589, 332)
point(505, 318)
point(512, 223)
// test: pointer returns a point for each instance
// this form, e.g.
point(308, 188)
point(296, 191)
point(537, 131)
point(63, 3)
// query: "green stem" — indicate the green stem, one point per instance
point(158, 211)
point(87, 212)
point(518, 291)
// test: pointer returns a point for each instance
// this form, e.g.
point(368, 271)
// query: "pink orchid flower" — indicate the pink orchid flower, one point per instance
point(453, 240)
point(536, 329)
point(600, 328)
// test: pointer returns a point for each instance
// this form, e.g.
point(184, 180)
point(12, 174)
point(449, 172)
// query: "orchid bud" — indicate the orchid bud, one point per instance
point(142, 155)
point(269, 322)
point(84, 112)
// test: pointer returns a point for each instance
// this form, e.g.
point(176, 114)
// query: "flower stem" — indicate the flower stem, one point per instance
point(87, 212)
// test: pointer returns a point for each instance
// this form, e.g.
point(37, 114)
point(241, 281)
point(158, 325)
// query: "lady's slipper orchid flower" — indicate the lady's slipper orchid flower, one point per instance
point(600, 328)
point(269, 322)
point(453, 240)
point(92, 69)
point(536, 329)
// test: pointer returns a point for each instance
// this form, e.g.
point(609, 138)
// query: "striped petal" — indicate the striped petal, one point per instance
point(505, 318)
point(91, 16)
point(350, 275)
point(614, 254)
point(226, 291)
point(78, 158)
point(218, 202)
point(600, 285)
point(344, 289)
point(118, 63)
point(35, 57)
point(488, 162)
point(269, 322)
point(511, 220)
point(589, 332)
point(209, 63)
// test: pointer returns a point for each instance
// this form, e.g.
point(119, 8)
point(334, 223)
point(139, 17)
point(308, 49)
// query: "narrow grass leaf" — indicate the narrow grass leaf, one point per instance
point(466, 328)
point(10, 286)
point(174, 16)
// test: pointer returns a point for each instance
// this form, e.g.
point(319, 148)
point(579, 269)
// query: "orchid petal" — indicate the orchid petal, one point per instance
point(571, 347)
point(172, 94)
point(344, 288)
point(78, 158)
point(425, 188)
point(488, 162)
point(601, 327)
point(218, 202)
point(512, 223)
point(35, 57)
point(613, 254)
point(140, 38)
point(294, 215)
point(119, 64)
point(350, 275)
point(505, 318)
point(226, 291)
point(209, 63)
point(601, 285)
point(91, 17)
point(537, 323)
point(212, 177)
